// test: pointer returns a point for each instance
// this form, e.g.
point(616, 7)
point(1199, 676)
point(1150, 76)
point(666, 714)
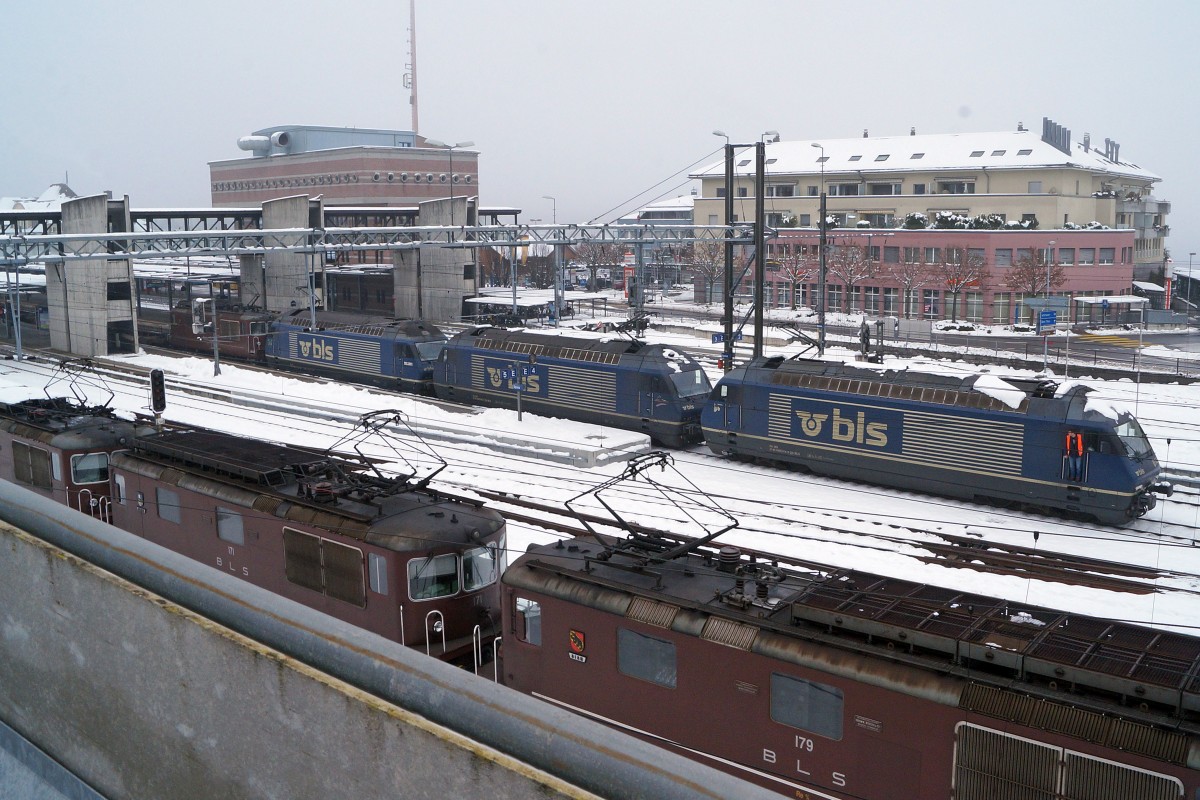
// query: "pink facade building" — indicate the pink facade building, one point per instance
point(980, 276)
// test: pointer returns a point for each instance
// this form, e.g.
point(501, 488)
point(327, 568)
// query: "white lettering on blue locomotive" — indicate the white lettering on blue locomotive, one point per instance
point(316, 349)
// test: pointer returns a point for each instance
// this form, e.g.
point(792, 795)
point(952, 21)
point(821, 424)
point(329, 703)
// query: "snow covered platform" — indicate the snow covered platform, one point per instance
point(498, 430)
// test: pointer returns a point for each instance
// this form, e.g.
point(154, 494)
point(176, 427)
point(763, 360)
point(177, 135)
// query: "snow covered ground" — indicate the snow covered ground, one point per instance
point(840, 523)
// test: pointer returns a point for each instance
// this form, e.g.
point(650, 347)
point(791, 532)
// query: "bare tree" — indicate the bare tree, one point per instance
point(595, 255)
point(708, 266)
point(849, 265)
point(911, 275)
point(795, 270)
point(1031, 275)
point(957, 270)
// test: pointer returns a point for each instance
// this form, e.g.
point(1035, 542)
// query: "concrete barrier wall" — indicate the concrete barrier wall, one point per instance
point(141, 698)
point(145, 697)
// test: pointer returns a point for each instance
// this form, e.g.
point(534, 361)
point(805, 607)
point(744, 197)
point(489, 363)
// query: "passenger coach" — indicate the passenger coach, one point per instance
point(603, 380)
point(1030, 442)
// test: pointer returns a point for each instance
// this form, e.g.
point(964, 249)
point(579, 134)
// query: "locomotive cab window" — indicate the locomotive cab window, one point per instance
point(528, 621)
point(258, 328)
point(691, 383)
point(430, 351)
point(646, 657)
point(433, 577)
point(807, 705)
point(89, 468)
point(481, 567)
point(1135, 441)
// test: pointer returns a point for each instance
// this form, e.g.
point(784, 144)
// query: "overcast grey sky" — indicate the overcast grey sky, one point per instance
point(589, 102)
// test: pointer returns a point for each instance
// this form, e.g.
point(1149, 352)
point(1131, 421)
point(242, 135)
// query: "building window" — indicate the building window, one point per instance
point(1024, 152)
point(891, 301)
point(882, 220)
point(781, 190)
point(1107, 254)
point(1024, 254)
point(1029, 218)
point(805, 220)
point(812, 191)
point(871, 299)
point(956, 187)
point(807, 705)
point(712, 219)
point(883, 157)
point(929, 303)
point(720, 191)
point(917, 155)
point(167, 501)
point(998, 152)
point(891, 255)
point(856, 158)
point(883, 188)
point(743, 191)
point(976, 153)
point(1087, 256)
point(646, 658)
point(1035, 187)
point(918, 188)
point(1003, 257)
point(843, 189)
point(933, 255)
point(976, 254)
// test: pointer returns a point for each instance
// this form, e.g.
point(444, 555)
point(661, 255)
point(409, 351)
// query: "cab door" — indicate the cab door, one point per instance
point(730, 398)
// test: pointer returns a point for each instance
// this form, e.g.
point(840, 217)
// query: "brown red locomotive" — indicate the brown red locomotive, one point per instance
point(833, 683)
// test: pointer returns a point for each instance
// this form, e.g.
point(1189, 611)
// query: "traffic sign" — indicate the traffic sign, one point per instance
point(1046, 321)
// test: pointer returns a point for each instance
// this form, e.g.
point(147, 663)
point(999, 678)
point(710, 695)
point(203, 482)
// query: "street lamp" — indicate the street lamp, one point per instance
point(451, 148)
point(821, 249)
point(558, 283)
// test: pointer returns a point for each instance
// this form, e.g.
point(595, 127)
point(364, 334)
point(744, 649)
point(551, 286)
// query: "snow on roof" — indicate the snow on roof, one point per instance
point(49, 200)
point(1146, 286)
point(926, 153)
point(998, 388)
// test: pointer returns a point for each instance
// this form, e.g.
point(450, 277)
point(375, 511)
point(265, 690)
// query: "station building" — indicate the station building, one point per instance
point(346, 166)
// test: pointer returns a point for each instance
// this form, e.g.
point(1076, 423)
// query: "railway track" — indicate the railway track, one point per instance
point(955, 551)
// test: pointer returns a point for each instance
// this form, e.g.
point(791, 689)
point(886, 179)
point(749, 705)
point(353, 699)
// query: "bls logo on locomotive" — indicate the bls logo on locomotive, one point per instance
point(316, 349)
point(844, 428)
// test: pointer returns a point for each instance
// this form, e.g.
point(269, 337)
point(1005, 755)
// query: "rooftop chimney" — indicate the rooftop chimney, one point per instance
point(1020, 126)
point(912, 131)
point(864, 133)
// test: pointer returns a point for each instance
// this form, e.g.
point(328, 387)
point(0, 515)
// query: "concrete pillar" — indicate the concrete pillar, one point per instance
point(285, 277)
point(431, 283)
point(90, 301)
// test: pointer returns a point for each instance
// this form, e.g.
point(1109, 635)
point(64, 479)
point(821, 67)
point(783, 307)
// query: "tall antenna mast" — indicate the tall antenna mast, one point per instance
point(410, 76)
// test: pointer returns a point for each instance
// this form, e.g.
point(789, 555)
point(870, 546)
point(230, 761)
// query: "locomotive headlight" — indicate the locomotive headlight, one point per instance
point(437, 626)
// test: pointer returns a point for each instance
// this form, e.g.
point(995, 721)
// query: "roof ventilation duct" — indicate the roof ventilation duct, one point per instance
point(259, 145)
point(281, 139)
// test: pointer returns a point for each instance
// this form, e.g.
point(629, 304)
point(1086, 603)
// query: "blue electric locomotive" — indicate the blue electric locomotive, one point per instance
point(978, 437)
point(387, 352)
point(624, 383)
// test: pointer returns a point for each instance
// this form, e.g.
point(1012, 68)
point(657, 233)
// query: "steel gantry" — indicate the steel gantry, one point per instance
point(57, 247)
